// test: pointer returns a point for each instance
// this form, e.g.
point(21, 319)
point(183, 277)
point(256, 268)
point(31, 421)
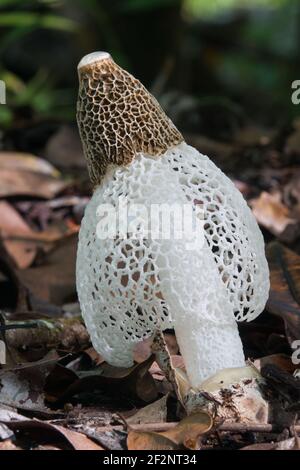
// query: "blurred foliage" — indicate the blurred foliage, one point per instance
point(204, 52)
point(136, 5)
point(38, 97)
point(212, 7)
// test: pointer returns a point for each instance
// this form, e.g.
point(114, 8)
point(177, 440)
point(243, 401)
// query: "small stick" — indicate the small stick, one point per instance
point(19, 326)
point(224, 427)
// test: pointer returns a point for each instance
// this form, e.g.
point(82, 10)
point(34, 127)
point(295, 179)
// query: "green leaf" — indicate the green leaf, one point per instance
point(11, 3)
point(6, 116)
point(27, 19)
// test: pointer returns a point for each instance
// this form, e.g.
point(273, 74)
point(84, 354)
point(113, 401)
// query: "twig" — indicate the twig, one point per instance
point(59, 332)
point(224, 427)
point(20, 326)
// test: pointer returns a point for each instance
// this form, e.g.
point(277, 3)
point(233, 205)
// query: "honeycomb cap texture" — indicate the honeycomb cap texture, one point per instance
point(117, 117)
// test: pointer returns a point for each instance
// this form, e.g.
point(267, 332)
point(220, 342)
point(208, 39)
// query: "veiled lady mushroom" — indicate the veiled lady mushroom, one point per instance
point(130, 287)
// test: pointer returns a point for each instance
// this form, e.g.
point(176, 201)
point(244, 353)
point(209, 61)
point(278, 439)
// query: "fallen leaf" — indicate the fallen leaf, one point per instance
point(156, 372)
point(142, 350)
point(8, 445)
point(285, 384)
point(18, 391)
point(5, 432)
point(284, 298)
point(177, 362)
point(7, 415)
point(288, 444)
point(95, 357)
point(282, 361)
point(78, 440)
point(26, 162)
point(186, 434)
point(22, 174)
point(22, 386)
point(149, 441)
point(11, 223)
point(171, 343)
point(272, 214)
point(110, 440)
point(136, 381)
point(42, 431)
point(261, 446)
point(156, 412)
point(54, 281)
point(190, 429)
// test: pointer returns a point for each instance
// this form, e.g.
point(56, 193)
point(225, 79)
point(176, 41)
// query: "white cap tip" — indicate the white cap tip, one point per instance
point(93, 57)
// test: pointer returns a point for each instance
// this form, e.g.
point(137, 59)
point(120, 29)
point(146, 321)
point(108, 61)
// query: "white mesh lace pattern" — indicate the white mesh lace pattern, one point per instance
point(123, 285)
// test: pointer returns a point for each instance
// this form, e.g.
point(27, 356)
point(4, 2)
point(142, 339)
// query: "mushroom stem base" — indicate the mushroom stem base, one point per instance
point(207, 349)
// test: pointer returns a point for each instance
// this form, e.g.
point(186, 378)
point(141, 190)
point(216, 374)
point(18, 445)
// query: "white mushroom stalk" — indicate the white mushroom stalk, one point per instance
point(131, 286)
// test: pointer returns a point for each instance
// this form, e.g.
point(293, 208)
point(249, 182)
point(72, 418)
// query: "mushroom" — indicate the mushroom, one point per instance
point(129, 287)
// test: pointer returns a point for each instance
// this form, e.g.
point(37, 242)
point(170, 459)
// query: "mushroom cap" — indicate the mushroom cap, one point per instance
point(93, 57)
point(117, 117)
point(119, 280)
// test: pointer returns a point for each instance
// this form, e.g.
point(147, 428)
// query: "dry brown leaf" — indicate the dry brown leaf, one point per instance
point(54, 281)
point(5, 432)
point(26, 162)
point(26, 183)
point(78, 440)
point(8, 445)
point(284, 298)
point(142, 350)
point(177, 362)
point(23, 174)
point(272, 214)
point(94, 356)
point(45, 432)
point(280, 360)
point(154, 413)
point(171, 343)
point(288, 444)
point(156, 372)
point(21, 386)
point(188, 431)
point(11, 223)
point(186, 434)
point(261, 446)
point(149, 441)
point(136, 381)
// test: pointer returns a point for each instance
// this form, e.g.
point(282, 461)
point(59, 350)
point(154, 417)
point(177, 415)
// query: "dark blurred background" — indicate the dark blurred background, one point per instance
point(211, 63)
